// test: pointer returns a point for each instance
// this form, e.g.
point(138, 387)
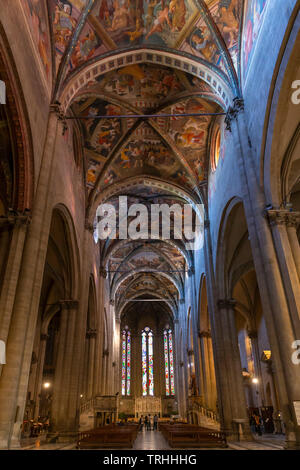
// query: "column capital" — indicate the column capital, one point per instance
point(233, 111)
point(252, 334)
point(283, 217)
point(228, 304)
point(204, 334)
point(57, 109)
point(103, 272)
point(16, 218)
point(90, 333)
point(69, 304)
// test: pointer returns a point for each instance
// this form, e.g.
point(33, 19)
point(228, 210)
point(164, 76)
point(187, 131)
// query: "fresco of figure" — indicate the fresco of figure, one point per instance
point(160, 20)
point(177, 10)
point(201, 41)
point(120, 16)
point(228, 20)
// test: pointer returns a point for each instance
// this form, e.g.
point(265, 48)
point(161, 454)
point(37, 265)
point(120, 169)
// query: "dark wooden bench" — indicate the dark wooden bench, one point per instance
point(108, 436)
point(185, 436)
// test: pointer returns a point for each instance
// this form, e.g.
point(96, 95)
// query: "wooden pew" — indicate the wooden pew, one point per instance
point(185, 436)
point(112, 436)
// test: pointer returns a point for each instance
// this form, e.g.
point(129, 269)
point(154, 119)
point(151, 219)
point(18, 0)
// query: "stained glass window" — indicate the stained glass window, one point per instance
point(147, 362)
point(169, 362)
point(126, 362)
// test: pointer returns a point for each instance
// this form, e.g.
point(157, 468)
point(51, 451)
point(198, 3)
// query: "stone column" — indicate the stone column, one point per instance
point(62, 420)
point(19, 222)
point(232, 362)
point(282, 324)
point(39, 374)
point(257, 365)
point(283, 225)
point(91, 336)
point(116, 361)
point(293, 221)
point(223, 381)
point(207, 371)
point(15, 374)
point(99, 354)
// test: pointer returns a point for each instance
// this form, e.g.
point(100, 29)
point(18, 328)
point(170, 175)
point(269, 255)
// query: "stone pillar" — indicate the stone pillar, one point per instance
point(19, 222)
point(15, 374)
point(293, 221)
point(62, 420)
point(282, 324)
point(116, 361)
point(283, 225)
point(99, 356)
point(91, 336)
point(257, 365)
point(231, 361)
point(209, 386)
point(39, 374)
point(223, 381)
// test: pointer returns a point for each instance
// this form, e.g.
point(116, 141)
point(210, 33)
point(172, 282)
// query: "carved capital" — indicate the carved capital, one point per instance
point(283, 217)
point(16, 218)
point(228, 304)
point(90, 333)
point(233, 111)
point(252, 334)
point(56, 108)
point(204, 334)
point(69, 304)
point(103, 272)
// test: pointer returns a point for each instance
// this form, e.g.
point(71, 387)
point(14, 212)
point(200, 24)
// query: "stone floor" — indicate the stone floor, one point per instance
point(154, 440)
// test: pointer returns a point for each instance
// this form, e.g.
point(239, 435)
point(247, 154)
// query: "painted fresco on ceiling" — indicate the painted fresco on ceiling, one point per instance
point(89, 44)
point(201, 43)
point(100, 136)
point(143, 86)
point(253, 19)
point(64, 15)
point(227, 16)
point(36, 14)
point(145, 153)
point(146, 86)
point(158, 22)
point(145, 260)
point(190, 133)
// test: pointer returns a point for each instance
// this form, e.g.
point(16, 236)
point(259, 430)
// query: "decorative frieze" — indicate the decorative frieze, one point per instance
point(16, 218)
point(283, 217)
